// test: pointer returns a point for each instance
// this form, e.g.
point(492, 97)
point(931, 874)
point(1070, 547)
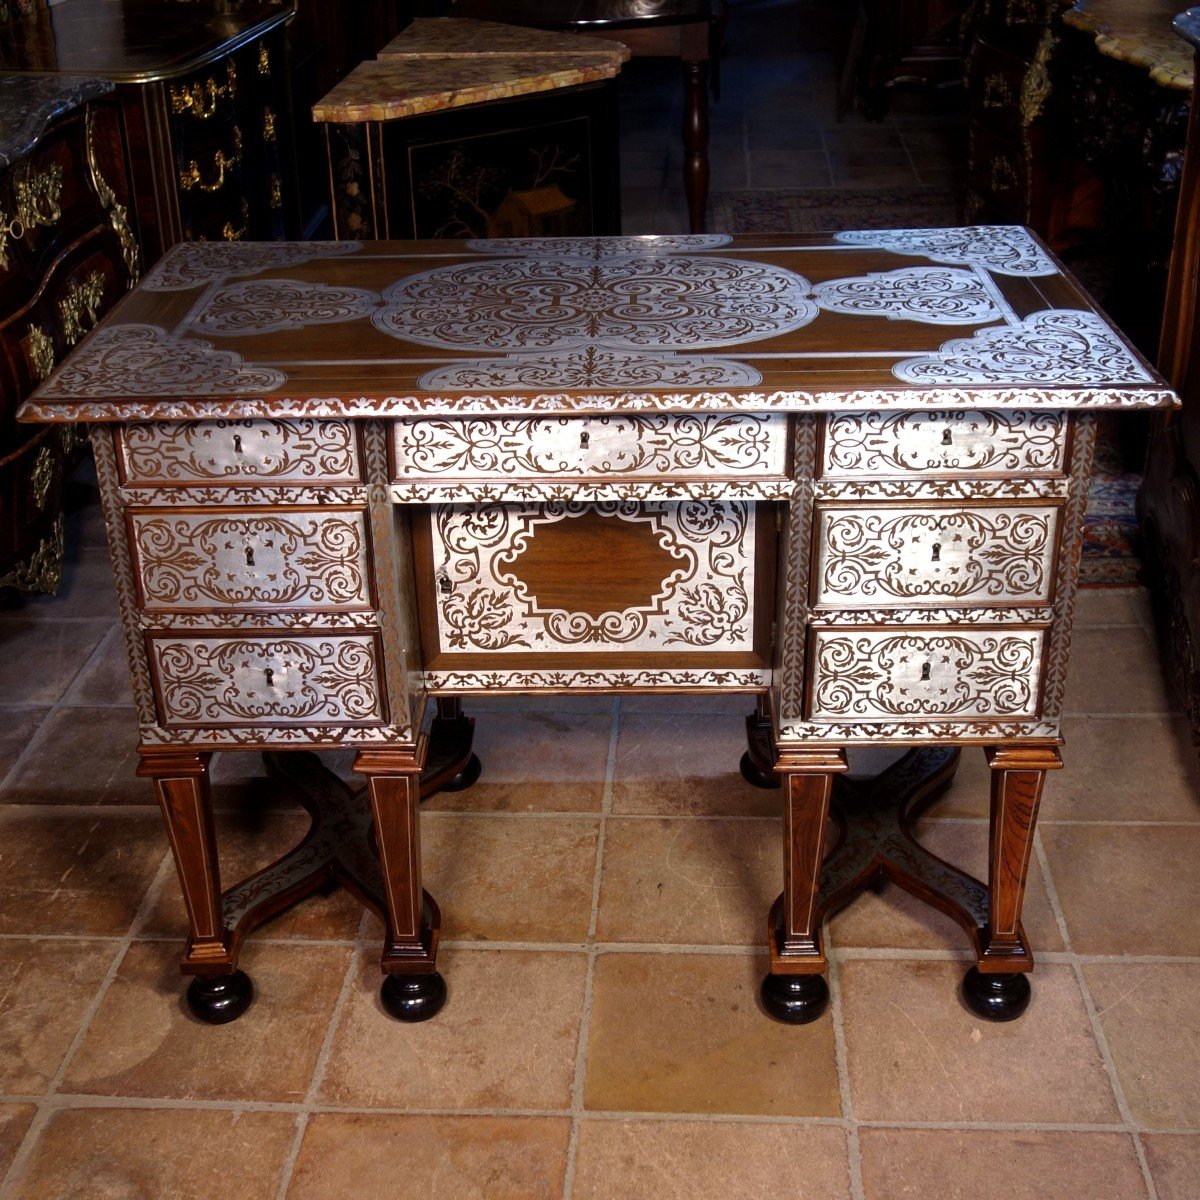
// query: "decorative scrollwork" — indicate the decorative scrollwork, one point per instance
point(203, 99)
point(932, 295)
point(270, 305)
point(235, 233)
point(1003, 249)
point(38, 194)
point(190, 176)
point(117, 216)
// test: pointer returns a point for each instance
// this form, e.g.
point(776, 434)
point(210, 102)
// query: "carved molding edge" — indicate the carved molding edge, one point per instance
point(749, 680)
point(598, 492)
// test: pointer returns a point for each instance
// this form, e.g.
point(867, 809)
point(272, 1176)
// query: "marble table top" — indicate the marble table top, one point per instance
point(28, 103)
point(1138, 32)
point(463, 37)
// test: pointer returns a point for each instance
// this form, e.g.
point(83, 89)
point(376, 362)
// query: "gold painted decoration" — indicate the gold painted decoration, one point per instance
point(40, 351)
point(117, 216)
point(80, 307)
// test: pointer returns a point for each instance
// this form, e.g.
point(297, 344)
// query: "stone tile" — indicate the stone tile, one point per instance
point(689, 881)
point(800, 136)
point(83, 756)
point(1174, 1161)
point(937, 1164)
point(87, 588)
point(970, 793)
point(1127, 889)
point(1114, 670)
point(14, 1121)
point(45, 990)
point(772, 169)
point(506, 1038)
point(733, 706)
point(142, 1041)
point(677, 765)
point(1112, 606)
point(869, 139)
point(684, 1033)
point(871, 168)
point(352, 1155)
point(896, 919)
point(72, 875)
point(19, 726)
point(42, 657)
point(248, 841)
point(105, 681)
point(1150, 1013)
point(665, 1160)
point(536, 761)
point(1108, 763)
point(132, 1153)
point(915, 1053)
point(511, 878)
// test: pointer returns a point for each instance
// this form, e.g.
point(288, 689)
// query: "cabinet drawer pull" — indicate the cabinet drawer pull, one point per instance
point(201, 100)
point(190, 176)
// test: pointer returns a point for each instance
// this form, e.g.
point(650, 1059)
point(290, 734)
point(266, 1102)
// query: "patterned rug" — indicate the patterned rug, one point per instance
point(815, 209)
point(1110, 533)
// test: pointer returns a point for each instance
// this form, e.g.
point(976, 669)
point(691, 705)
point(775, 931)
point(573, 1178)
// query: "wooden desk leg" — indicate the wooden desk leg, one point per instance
point(996, 987)
point(219, 992)
point(412, 989)
point(695, 142)
point(795, 991)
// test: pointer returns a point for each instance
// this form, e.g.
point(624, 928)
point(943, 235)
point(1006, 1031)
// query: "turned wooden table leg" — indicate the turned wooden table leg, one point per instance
point(997, 987)
point(219, 992)
point(795, 990)
point(412, 989)
point(695, 142)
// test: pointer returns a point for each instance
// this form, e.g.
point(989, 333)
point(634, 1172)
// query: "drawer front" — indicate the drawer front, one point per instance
point(251, 559)
point(578, 578)
point(265, 680)
point(675, 447)
point(953, 444)
point(232, 452)
point(871, 556)
point(921, 674)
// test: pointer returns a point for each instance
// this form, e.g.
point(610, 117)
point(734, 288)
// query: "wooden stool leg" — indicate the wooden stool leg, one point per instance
point(795, 990)
point(219, 992)
point(695, 142)
point(996, 988)
point(412, 989)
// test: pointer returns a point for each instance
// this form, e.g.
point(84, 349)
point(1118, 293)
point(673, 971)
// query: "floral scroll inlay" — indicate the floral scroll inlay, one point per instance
point(931, 295)
point(1004, 249)
point(193, 264)
point(272, 305)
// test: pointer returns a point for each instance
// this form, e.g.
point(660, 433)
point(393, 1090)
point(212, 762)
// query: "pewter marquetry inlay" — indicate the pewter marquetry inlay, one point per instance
point(191, 264)
point(1004, 249)
point(594, 248)
point(931, 295)
point(272, 305)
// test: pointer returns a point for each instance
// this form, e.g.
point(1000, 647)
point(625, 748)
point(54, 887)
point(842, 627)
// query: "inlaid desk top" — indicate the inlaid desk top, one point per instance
point(939, 318)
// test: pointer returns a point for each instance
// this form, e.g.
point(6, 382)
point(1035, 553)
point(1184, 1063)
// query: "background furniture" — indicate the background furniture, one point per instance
point(683, 29)
point(67, 254)
point(340, 479)
point(437, 139)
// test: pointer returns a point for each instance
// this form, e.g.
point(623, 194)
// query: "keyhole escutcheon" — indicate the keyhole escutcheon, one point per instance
point(269, 672)
point(249, 556)
point(584, 438)
point(937, 552)
point(925, 672)
point(237, 443)
point(947, 440)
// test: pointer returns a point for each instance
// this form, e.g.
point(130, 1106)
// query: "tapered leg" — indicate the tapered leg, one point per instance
point(996, 987)
point(412, 989)
point(695, 142)
point(795, 990)
point(220, 992)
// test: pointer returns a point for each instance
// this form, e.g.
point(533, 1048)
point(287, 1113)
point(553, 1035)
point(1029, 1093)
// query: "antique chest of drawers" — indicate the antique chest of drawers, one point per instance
point(845, 475)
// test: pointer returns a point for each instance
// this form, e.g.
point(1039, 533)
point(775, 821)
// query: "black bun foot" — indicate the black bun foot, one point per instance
point(796, 999)
point(413, 997)
point(471, 771)
point(996, 997)
point(753, 775)
point(218, 999)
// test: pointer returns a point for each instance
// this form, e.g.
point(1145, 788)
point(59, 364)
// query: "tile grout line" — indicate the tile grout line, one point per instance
point(1093, 1016)
point(46, 1105)
point(841, 1059)
point(581, 1047)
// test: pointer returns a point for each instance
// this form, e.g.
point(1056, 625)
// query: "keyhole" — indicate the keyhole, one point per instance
point(584, 438)
point(250, 556)
point(270, 674)
point(937, 551)
point(924, 672)
point(443, 582)
point(237, 443)
point(946, 438)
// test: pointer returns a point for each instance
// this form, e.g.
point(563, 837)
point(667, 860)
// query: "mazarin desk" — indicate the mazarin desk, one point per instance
point(845, 475)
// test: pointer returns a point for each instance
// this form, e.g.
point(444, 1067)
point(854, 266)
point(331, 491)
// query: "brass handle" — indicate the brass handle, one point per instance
point(190, 176)
point(201, 100)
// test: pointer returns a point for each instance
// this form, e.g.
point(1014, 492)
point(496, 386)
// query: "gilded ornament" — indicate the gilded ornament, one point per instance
point(43, 571)
point(117, 216)
point(42, 476)
point(202, 99)
point(40, 350)
point(1035, 87)
point(190, 176)
point(264, 60)
point(37, 194)
point(268, 125)
point(8, 229)
point(276, 195)
point(71, 437)
point(80, 307)
point(232, 233)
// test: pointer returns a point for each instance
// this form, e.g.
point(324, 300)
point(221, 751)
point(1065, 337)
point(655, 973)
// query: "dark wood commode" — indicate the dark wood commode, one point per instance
point(842, 474)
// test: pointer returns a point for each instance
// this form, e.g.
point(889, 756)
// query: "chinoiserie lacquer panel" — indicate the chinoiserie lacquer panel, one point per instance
point(230, 452)
point(686, 583)
point(239, 558)
point(699, 446)
point(878, 555)
point(272, 679)
point(914, 674)
point(874, 444)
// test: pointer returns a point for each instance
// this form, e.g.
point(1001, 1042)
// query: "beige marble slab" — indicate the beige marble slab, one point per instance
point(388, 90)
point(1138, 32)
point(464, 37)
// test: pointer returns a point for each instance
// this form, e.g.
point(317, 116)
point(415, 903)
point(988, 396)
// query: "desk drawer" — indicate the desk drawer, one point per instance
point(245, 558)
point(263, 679)
point(699, 446)
point(908, 674)
point(935, 554)
point(952, 444)
point(166, 454)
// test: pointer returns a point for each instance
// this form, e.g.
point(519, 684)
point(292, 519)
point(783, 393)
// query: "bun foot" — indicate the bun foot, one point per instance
point(413, 997)
point(471, 771)
point(796, 999)
point(996, 997)
point(754, 775)
point(218, 999)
